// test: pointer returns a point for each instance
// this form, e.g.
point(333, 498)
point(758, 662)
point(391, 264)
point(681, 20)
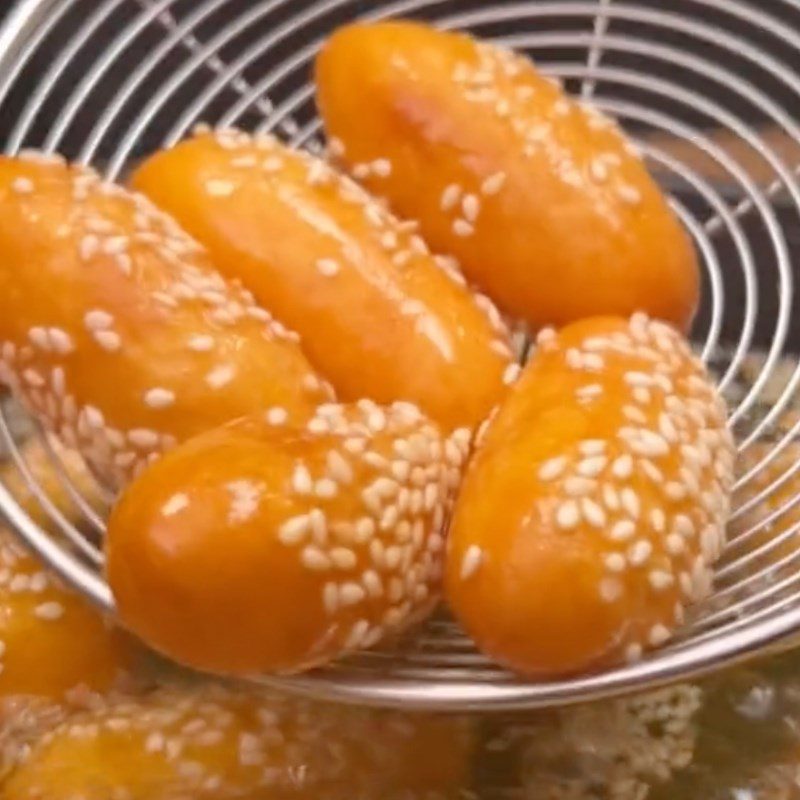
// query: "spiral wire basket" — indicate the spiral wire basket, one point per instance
point(706, 89)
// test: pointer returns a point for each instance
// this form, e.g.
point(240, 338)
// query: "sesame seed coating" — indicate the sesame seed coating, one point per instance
point(331, 261)
point(126, 318)
point(208, 741)
point(609, 523)
point(498, 153)
point(51, 640)
point(350, 547)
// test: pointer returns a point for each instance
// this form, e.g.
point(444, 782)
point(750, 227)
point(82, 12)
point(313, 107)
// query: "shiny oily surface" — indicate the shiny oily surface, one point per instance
point(595, 506)
point(265, 547)
point(379, 315)
point(547, 207)
point(669, 76)
point(117, 332)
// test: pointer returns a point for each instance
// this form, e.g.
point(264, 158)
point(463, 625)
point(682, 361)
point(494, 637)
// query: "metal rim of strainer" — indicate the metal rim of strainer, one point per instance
point(623, 47)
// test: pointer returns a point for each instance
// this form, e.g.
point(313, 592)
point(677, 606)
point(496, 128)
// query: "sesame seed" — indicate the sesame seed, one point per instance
point(58, 381)
point(639, 552)
point(548, 336)
point(675, 544)
point(272, 164)
point(49, 611)
point(592, 447)
point(108, 340)
point(343, 558)
point(143, 438)
point(493, 184)
point(610, 497)
point(511, 374)
point(593, 513)
point(326, 488)
point(593, 361)
point(574, 358)
point(633, 378)
point(357, 635)
point(61, 341)
point(372, 583)
point(294, 530)
point(471, 207)
point(622, 530)
point(598, 170)
point(94, 417)
point(22, 185)
point(159, 398)
point(576, 486)
point(351, 593)
point(319, 526)
point(382, 167)
point(610, 590)
point(328, 267)
point(462, 228)
point(552, 468)
point(314, 559)
point(201, 343)
point(376, 420)
point(658, 635)
point(651, 470)
point(592, 467)
point(301, 480)
point(277, 416)
point(39, 338)
point(629, 194)
point(336, 146)
point(364, 530)
point(634, 414)
point(88, 246)
point(588, 392)
point(667, 428)
point(178, 502)
point(220, 376)
point(630, 502)
point(658, 520)
point(568, 515)
point(339, 468)
point(319, 425)
point(219, 188)
point(115, 245)
point(615, 562)
point(633, 653)
point(710, 543)
point(660, 579)
point(330, 598)
point(473, 557)
point(155, 742)
point(32, 377)
point(450, 197)
point(675, 491)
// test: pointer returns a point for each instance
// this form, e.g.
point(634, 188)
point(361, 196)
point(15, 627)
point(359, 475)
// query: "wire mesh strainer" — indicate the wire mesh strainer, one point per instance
point(707, 89)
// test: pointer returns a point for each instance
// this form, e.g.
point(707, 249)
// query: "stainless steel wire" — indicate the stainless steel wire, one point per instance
point(695, 82)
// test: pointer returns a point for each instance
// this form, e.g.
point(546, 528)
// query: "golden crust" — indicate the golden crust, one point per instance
point(379, 317)
point(267, 547)
point(115, 329)
point(545, 205)
point(209, 742)
point(596, 502)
